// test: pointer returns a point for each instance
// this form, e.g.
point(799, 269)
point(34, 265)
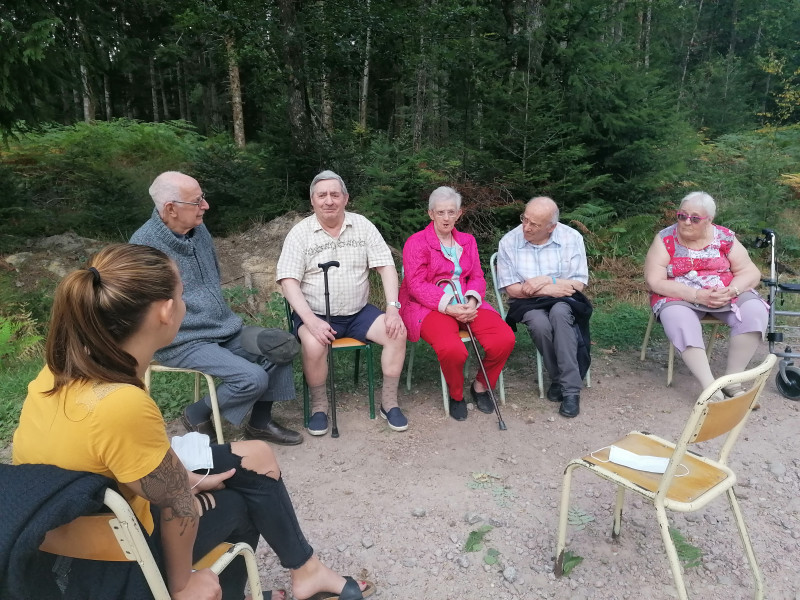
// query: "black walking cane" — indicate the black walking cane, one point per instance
point(325, 267)
point(500, 423)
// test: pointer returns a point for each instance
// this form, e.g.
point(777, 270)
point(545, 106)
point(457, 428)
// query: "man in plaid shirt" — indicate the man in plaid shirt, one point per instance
point(541, 265)
point(332, 233)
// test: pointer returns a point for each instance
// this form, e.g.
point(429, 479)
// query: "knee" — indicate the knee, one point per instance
point(253, 382)
point(258, 457)
point(561, 314)
point(454, 351)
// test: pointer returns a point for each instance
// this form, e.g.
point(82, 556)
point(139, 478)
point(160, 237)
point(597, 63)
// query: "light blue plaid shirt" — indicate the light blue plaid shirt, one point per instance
point(563, 256)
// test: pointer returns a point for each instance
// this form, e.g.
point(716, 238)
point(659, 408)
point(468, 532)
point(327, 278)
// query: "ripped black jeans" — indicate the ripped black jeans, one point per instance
point(250, 505)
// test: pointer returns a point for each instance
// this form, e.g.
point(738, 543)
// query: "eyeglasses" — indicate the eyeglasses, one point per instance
point(526, 221)
point(198, 204)
point(445, 213)
point(682, 216)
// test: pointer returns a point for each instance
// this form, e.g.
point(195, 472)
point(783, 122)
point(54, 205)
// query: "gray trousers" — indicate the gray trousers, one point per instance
point(246, 378)
point(553, 333)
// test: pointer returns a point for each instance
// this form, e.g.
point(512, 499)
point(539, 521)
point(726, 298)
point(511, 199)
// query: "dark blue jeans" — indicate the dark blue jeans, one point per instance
point(250, 505)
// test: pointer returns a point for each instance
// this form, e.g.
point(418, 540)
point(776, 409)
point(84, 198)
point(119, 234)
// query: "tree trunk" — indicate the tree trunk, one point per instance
point(299, 110)
point(419, 109)
point(362, 101)
point(647, 27)
point(327, 105)
point(88, 105)
point(153, 90)
point(688, 54)
point(164, 104)
point(236, 93)
point(107, 95)
point(181, 94)
point(129, 112)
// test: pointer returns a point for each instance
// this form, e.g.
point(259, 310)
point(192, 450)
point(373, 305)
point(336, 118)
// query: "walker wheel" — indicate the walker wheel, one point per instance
point(791, 389)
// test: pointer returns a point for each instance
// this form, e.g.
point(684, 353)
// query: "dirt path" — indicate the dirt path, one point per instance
point(398, 508)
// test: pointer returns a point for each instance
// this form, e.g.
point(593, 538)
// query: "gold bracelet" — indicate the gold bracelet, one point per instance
point(736, 289)
point(695, 297)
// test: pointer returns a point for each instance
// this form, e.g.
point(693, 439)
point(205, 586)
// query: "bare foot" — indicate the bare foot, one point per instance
point(314, 577)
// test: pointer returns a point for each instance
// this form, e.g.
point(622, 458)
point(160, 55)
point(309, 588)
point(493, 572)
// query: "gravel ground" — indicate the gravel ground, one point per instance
point(397, 508)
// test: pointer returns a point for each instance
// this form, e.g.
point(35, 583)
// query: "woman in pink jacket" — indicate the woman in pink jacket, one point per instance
point(436, 314)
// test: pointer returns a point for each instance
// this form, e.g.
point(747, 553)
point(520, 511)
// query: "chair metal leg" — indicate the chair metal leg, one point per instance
point(588, 378)
point(212, 394)
point(670, 363)
point(356, 366)
point(618, 512)
point(647, 335)
point(370, 381)
point(758, 579)
point(672, 554)
point(445, 394)
point(306, 403)
point(502, 385)
point(558, 569)
point(410, 367)
point(539, 373)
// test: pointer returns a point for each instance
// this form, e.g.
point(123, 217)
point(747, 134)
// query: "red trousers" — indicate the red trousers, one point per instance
point(492, 333)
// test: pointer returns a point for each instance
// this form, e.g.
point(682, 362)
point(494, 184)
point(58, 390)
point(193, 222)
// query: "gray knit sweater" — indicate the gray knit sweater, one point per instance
point(208, 317)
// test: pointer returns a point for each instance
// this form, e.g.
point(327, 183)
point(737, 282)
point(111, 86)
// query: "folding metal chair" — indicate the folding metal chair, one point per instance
point(707, 320)
point(501, 306)
point(154, 367)
point(690, 481)
point(117, 536)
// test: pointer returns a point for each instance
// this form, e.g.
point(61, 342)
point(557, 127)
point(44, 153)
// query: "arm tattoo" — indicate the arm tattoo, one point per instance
point(167, 487)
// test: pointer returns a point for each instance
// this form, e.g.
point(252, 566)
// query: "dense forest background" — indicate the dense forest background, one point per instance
point(615, 108)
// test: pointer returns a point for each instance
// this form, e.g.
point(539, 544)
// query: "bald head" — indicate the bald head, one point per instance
point(539, 220)
point(542, 204)
point(179, 201)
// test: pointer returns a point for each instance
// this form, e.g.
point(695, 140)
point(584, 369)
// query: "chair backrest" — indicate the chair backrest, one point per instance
point(501, 304)
point(713, 418)
point(114, 536)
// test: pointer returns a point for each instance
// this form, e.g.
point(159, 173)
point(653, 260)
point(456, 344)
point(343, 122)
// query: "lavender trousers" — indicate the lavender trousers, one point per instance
point(682, 323)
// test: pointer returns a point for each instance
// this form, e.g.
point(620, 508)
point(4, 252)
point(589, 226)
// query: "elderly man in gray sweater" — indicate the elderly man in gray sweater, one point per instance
point(210, 338)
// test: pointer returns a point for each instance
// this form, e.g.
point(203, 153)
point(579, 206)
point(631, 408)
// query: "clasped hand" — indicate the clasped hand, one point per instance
point(463, 313)
point(715, 297)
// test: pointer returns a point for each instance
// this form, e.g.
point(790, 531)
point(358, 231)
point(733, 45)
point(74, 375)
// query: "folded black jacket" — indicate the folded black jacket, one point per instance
point(581, 309)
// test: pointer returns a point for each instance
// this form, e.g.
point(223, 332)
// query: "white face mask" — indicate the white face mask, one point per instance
point(194, 450)
point(626, 458)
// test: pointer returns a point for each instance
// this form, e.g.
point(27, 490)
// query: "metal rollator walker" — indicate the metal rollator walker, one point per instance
point(779, 333)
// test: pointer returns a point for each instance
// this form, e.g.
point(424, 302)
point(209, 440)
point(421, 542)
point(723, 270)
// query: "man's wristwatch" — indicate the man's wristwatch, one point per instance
point(395, 304)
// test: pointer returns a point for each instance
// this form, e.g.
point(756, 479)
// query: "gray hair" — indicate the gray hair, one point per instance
point(323, 176)
point(701, 200)
point(444, 194)
point(166, 188)
point(548, 202)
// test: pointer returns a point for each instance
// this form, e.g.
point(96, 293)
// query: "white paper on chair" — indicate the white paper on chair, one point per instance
point(651, 464)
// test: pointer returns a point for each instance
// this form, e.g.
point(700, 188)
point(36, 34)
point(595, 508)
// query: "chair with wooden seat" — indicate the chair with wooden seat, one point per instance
point(707, 320)
point(154, 367)
point(502, 308)
point(346, 343)
point(117, 536)
point(690, 481)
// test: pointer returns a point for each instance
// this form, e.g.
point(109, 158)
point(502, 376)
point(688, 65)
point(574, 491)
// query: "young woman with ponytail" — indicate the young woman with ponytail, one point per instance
point(88, 411)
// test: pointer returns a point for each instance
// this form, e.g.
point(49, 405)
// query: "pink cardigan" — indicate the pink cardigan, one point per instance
point(424, 264)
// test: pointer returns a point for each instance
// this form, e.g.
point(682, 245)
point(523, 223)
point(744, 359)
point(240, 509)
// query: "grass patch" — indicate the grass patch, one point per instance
point(15, 376)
